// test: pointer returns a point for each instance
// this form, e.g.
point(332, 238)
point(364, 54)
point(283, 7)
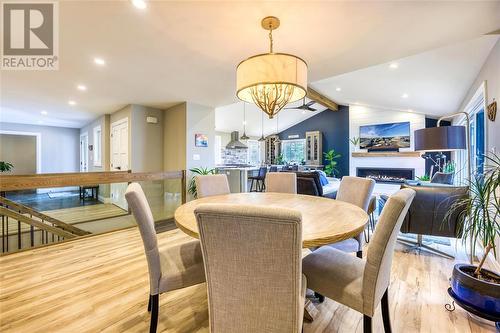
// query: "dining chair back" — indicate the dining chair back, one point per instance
point(377, 273)
point(254, 280)
point(210, 185)
point(357, 191)
point(281, 182)
point(273, 168)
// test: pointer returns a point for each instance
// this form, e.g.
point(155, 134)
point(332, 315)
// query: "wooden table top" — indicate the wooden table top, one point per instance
point(324, 220)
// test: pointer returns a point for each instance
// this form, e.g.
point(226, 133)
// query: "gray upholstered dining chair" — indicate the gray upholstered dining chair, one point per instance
point(252, 259)
point(209, 185)
point(361, 284)
point(281, 182)
point(357, 191)
point(177, 267)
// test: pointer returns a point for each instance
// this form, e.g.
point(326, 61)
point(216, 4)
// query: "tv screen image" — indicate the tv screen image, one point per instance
point(391, 136)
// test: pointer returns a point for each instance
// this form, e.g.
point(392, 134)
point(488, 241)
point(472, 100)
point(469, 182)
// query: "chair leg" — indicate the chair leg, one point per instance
point(359, 254)
point(385, 312)
point(155, 300)
point(149, 303)
point(251, 186)
point(367, 324)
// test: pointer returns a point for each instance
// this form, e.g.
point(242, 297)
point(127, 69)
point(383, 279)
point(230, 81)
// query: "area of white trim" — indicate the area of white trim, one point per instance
point(38, 145)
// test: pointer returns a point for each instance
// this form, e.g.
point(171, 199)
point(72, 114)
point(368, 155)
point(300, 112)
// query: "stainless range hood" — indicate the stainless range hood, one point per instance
point(235, 142)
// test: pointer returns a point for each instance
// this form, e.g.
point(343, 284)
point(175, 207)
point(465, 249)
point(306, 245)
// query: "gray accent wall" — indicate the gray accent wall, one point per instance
point(59, 146)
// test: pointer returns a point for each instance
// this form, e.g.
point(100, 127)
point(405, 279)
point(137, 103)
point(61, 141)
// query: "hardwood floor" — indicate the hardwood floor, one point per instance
point(81, 214)
point(101, 284)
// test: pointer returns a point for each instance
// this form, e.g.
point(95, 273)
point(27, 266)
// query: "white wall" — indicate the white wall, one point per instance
point(59, 146)
point(200, 120)
point(490, 72)
point(366, 115)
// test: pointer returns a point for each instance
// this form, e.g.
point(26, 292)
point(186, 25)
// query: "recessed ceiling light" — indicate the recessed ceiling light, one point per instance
point(141, 4)
point(394, 65)
point(71, 102)
point(405, 95)
point(81, 87)
point(99, 61)
point(43, 112)
point(338, 89)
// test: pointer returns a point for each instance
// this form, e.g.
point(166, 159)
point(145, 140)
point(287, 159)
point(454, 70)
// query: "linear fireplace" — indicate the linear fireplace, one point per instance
point(386, 175)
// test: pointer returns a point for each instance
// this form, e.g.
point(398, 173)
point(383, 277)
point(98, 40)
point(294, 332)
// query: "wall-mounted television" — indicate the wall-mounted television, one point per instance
point(385, 137)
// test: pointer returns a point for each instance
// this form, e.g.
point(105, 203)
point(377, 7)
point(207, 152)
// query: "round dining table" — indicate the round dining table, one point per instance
point(324, 220)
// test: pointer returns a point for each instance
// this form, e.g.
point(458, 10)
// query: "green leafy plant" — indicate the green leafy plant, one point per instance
point(331, 165)
point(280, 160)
point(354, 140)
point(5, 166)
point(479, 212)
point(424, 178)
point(449, 167)
point(198, 172)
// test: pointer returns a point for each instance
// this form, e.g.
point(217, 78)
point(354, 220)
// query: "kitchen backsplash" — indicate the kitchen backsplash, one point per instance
point(234, 156)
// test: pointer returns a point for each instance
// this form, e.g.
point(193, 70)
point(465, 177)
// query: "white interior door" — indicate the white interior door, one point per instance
point(119, 160)
point(84, 152)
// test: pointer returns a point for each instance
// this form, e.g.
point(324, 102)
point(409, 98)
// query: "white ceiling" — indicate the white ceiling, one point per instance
point(435, 81)
point(178, 51)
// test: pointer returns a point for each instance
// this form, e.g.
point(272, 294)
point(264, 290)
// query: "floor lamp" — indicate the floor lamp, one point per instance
point(447, 138)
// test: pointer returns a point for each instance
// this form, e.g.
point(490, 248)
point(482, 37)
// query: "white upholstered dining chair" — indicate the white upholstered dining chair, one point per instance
point(281, 182)
point(357, 191)
point(177, 267)
point(209, 185)
point(361, 284)
point(252, 257)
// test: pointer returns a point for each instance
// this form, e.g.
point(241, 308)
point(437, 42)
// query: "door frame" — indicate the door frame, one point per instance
point(38, 137)
point(116, 123)
point(86, 135)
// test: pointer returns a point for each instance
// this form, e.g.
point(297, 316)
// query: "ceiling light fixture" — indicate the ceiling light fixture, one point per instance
point(394, 65)
point(338, 89)
point(141, 4)
point(244, 137)
point(81, 87)
point(72, 103)
point(405, 95)
point(271, 80)
point(99, 61)
point(44, 113)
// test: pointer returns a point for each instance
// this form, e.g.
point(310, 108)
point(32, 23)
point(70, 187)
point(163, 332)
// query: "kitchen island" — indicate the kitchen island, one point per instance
point(238, 177)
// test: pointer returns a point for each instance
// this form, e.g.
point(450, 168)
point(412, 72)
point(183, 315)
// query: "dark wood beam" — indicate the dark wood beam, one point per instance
point(321, 99)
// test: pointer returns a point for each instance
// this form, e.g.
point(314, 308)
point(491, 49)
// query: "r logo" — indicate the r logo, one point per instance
point(28, 29)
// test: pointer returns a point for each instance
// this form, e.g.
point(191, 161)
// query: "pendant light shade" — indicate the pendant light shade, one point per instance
point(244, 136)
point(262, 129)
point(271, 80)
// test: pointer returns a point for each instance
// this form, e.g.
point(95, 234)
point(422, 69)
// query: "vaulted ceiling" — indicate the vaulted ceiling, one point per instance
point(178, 51)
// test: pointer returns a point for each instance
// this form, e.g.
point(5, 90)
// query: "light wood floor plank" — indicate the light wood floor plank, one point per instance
point(101, 284)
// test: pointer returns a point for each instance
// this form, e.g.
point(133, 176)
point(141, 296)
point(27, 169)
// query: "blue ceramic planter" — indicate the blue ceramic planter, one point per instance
point(482, 296)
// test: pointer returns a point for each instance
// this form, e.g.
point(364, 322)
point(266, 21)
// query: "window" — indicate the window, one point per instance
point(97, 146)
point(294, 151)
point(253, 152)
point(218, 150)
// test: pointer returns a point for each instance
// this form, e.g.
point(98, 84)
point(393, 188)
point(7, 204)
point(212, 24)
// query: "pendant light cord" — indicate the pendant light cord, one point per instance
point(270, 39)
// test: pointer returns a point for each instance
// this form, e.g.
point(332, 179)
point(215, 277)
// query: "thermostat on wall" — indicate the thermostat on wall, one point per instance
point(152, 120)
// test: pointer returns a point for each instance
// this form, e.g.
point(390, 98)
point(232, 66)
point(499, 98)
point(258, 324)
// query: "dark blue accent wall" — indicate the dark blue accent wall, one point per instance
point(335, 128)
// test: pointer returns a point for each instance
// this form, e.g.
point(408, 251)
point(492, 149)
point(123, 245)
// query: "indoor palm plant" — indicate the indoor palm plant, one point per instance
point(197, 172)
point(5, 166)
point(331, 165)
point(474, 287)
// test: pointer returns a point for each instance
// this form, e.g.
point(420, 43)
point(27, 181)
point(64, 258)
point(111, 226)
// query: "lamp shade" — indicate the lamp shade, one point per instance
point(440, 138)
point(271, 81)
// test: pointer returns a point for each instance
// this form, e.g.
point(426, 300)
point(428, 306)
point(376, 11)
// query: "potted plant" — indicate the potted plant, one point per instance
point(331, 165)
point(5, 166)
point(280, 160)
point(197, 172)
point(424, 178)
point(355, 142)
point(472, 286)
